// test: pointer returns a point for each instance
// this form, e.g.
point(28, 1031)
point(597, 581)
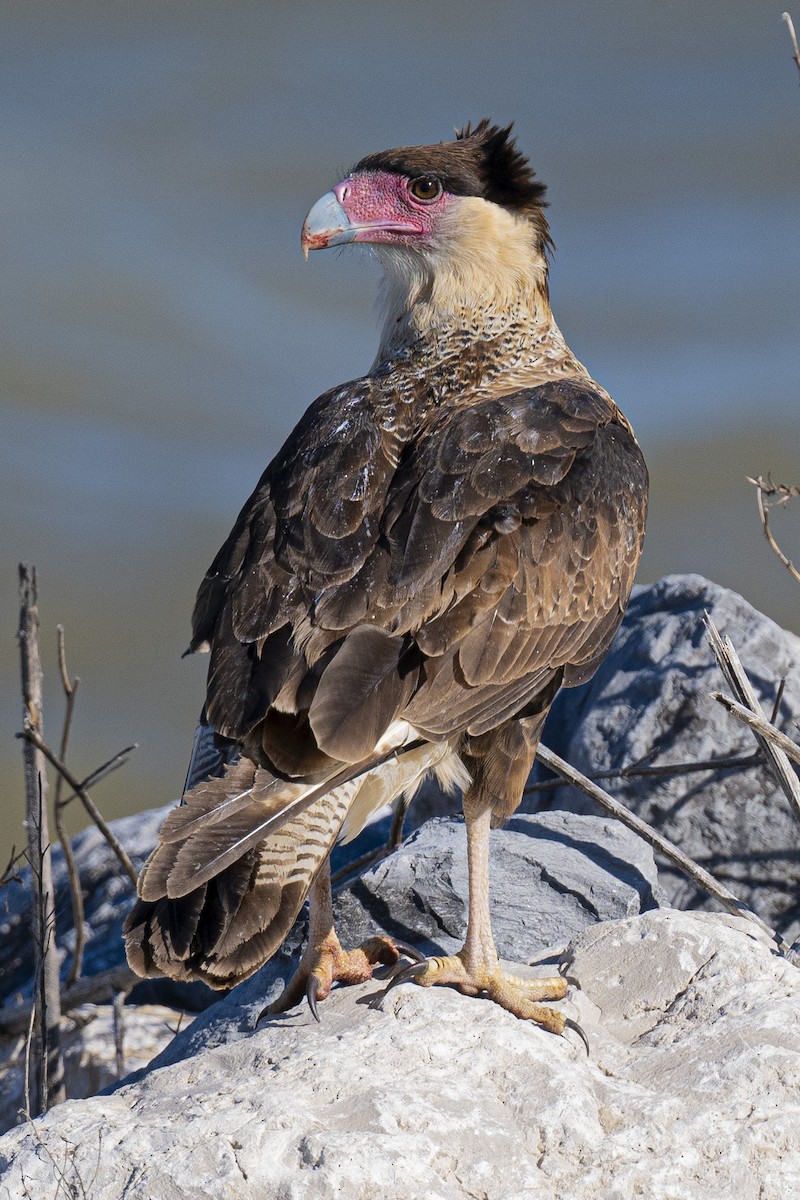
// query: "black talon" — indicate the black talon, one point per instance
point(575, 1027)
point(312, 991)
point(404, 976)
point(408, 951)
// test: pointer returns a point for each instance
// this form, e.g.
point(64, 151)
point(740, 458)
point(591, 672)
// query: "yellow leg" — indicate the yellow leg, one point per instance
point(476, 970)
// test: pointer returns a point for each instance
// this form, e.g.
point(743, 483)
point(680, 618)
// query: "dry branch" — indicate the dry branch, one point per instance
point(784, 492)
point(59, 810)
point(92, 989)
point(80, 791)
point(740, 685)
point(48, 1075)
point(728, 762)
point(765, 728)
point(111, 764)
point(685, 864)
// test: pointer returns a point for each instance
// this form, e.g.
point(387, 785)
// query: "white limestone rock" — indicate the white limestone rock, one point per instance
point(690, 1091)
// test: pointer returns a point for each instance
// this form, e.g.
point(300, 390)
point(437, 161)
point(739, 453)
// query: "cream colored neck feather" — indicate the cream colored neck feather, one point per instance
point(486, 278)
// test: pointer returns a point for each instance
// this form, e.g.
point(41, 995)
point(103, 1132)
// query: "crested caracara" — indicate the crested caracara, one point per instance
point(439, 546)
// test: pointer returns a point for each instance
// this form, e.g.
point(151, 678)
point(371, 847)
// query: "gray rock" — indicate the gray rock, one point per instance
point(650, 700)
point(651, 694)
point(689, 1092)
point(551, 876)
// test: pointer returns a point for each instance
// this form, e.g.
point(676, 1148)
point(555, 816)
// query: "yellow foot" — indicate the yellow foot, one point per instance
point(327, 963)
point(514, 993)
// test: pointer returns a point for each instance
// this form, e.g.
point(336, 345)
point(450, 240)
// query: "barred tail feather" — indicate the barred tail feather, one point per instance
point(223, 930)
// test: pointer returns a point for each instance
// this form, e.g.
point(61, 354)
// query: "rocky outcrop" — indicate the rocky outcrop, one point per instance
point(649, 699)
point(650, 703)
point(552, 876)
point(689, 1091)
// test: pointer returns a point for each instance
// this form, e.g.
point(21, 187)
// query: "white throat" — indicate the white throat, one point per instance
point(484, 268)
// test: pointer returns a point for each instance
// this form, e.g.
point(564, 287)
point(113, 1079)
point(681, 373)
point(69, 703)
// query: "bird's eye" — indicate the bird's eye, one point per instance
point(425, 188)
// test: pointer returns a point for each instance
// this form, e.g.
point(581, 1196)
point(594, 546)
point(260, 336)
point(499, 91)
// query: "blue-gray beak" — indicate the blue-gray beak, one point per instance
point(327, 224)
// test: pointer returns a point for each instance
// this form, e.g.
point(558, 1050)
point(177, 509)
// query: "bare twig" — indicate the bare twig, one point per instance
point(634, 771)
point(178, 1024)
point(687, 865)
point(9, 874)
point(89, 804)
point(784, 492)
point(776, 704)
point(59, 806)
point(66, 1174)
point(793, 36)
point(665, 771)
point(761, 726)
point(734, 673)
point(112, 764)
point(49, 1077)
point(119, 1033)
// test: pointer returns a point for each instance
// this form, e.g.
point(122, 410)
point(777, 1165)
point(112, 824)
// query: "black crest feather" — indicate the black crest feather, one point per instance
point(507, 176)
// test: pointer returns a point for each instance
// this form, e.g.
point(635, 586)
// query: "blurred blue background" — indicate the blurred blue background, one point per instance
point(161, 334)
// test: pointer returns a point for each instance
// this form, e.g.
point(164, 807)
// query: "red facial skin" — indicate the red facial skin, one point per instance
point(382, 201)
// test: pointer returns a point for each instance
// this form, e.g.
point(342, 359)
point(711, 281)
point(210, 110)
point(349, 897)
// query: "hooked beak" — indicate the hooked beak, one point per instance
point(327, 224)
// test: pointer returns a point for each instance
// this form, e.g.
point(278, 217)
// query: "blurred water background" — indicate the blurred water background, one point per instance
point(161, 334)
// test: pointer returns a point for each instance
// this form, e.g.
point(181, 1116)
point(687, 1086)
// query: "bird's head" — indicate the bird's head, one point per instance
point(454, 225)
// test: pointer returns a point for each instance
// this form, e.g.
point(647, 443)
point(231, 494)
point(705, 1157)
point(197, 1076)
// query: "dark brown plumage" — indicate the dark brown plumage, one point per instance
point(435, 550)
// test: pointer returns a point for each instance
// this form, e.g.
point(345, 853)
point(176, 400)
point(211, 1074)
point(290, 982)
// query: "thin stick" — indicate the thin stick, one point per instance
point(48, 1086)
point(735, 674)
point(89, 804)
point(30, 1023)
point(59, 806)
point(770, 489)
point(112, 764)
point(759, 724)
point(119, 1033)
point(776, 704)
point(687, 865)
point(665, 771)
point(9, 875)
point(793, 36)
